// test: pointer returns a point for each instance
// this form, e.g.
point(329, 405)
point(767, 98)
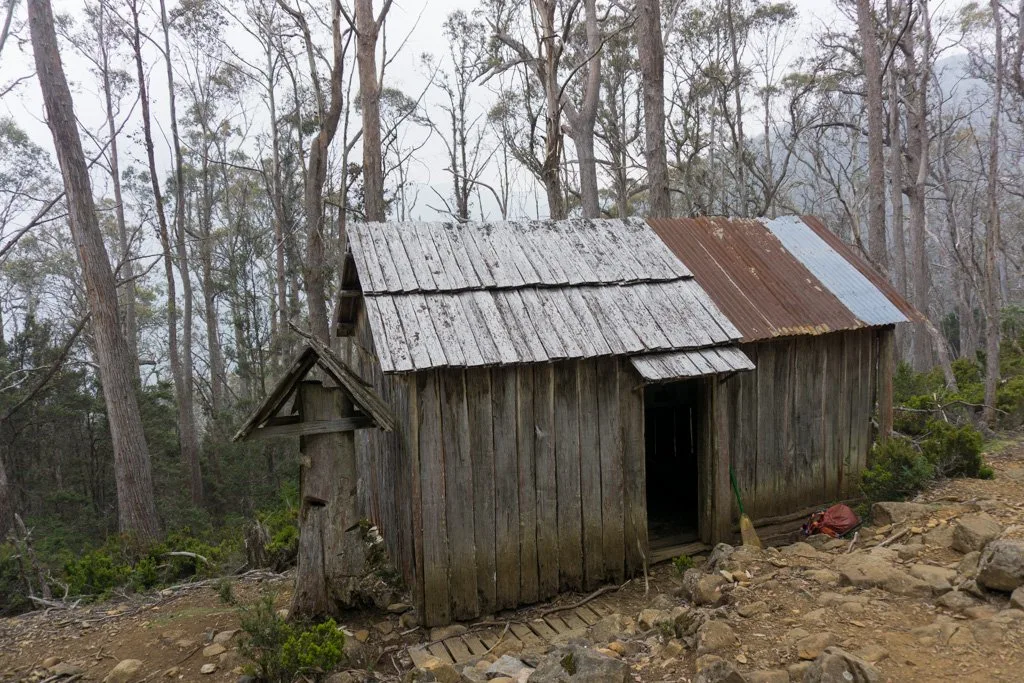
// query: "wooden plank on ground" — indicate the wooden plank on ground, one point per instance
point(573, 621)
point(525, 433)
point(587, 615)
point(462, 578)
point(567, 458)
point(523, 633)
point(610, 425)
point(506, 487)
point(590, 475)
point(556, 623)
point(419, 655)
point(546, 473)
point(481, 448)
point(436, 603)
point(441, 652)
point(458, 649)
point(475, 645)
point(542, 629)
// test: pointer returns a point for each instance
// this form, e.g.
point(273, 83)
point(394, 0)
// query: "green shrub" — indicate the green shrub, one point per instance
point(280, 652)
point(1010, 400)
point(226, 590)
point(96, 573)
point(953, 451)
point(896, 471)
point(682, 563)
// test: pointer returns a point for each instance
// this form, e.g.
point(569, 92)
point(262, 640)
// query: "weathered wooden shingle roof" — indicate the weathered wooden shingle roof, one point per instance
point(472, 294)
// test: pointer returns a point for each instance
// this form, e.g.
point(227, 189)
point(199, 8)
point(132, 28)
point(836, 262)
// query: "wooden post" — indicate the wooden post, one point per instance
point(331, 554)
point(886, 370)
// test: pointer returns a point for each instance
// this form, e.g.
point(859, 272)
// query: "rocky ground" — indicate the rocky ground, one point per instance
point(928, 591)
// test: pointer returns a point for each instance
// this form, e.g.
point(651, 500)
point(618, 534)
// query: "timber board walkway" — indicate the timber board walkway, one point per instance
point(531, 632)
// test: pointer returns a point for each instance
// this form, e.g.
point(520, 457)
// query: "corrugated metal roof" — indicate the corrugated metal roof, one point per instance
point(419, 331)
point(860, 264)
point(753, 278)
point(443, 257)
point(665, 367)
point(835, 269)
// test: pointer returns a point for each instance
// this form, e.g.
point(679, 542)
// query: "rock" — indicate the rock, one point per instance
point(1017, 598)
point(339, 677)
point(817, 541)
point(409, 620)
point(652, 618)
point(813, 645)
point(439, 671)
point(939, 578)
point(715, 636)
point(443, 632)
point(895, 512)
point(68, 669)
point(207, 669)
point(509, 666)
point(798, 670)
point(719, 671)
point(799, 549)
point(968, 567)
point(986, 632)
point(752, 609)
point(50, 662)
point(386, 627)
point(974, 531)
point(838, 666)
point(125, 671)
point(794, 635)
point(225, 637)
point(872, 571)
point(607, 628)
point(939, 537)
point(872, 653)
point(173, 672)
point(909, 552)
point(768, 676)
point(744, 557)
point(826, 577)
point(957, 601)
point(398, 608)
point(719, 555)
point(362, 635)
point(1001, 566)
point(703, 589)
point(981, 612)
point(282, 613)
point(214, 650)
point(672, 648)
point(578, 664)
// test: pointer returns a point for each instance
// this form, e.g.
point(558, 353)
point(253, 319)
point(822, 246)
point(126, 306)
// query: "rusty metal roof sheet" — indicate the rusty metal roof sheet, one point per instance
point(666, 367)
point(763, 283)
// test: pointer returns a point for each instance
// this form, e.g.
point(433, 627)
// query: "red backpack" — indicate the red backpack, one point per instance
point(836, 521)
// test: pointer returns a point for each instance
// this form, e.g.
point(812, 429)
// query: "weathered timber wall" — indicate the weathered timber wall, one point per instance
point(385, 468)
point(798, 427)
point(531, 481)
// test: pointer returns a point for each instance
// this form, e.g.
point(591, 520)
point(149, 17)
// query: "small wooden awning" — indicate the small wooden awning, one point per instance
point(265, 422)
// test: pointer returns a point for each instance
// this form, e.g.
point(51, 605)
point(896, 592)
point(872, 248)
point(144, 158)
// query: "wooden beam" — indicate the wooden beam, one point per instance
point(342, 424)
point(281, 392)
point(886, 370)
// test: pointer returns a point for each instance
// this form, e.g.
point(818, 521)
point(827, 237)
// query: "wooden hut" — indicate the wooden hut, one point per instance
point(564, 390)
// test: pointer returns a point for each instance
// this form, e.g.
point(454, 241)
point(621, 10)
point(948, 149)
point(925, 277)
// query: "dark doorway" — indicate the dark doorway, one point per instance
point(674, 414)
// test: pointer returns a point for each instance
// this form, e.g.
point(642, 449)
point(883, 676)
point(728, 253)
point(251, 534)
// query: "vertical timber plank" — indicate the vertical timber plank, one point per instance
point(458, 495)
point(609, 419)
point(886, 369)
point(590, 475)
point(634, 482)
point(481, 448)
point(721, 498)
point(567, 461)
point(546, 471)
point(506, 487)
point(437, 606)
point(525, 431)
point(413, 442)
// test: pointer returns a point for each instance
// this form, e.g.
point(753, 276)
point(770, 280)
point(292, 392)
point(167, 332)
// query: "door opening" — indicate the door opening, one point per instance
point(674, 419)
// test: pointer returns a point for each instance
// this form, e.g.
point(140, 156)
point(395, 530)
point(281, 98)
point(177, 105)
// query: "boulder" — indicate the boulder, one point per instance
point(768, 676)
point(1001, 566)
point(703, 589)
point(940, 537)
point(715, 636)
point(813, 645)
point(974, 531)
point(225, 637)
point(509, 666)
point(957, 601)
point(799, 549)
point(968, 567)
point(214, 650)
point(578, 664)
point(126, 671)
point(939, 578)
point(1017, 598)
point(835, 665)
point(752, 609)
point(873, 571)
point(718, 557)
point(607, 628)
point(895, 512)
point(652, 618)
point(719, 671)
point(207, 669)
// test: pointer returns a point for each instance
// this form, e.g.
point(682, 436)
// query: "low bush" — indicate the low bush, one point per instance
point(280, 652)
point(896, 471)
point(682, 563)
point(953, 451)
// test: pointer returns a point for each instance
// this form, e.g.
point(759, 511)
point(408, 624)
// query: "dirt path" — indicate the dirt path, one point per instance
point(775, 604)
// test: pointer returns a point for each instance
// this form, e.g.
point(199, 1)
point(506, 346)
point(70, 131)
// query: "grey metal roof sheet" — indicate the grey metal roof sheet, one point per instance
point(862, 297)
point(666, 367)
point(440, 257)
point(423, 330)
